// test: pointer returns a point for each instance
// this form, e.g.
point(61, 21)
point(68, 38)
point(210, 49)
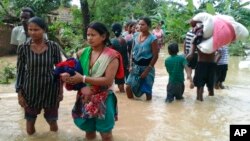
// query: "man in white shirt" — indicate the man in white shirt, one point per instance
point(19, 34)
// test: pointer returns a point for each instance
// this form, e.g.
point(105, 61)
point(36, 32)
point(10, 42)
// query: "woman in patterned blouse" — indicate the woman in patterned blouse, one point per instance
point(36, 85)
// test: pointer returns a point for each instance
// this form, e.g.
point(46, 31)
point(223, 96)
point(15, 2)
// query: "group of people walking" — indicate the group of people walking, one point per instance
point(128, 58)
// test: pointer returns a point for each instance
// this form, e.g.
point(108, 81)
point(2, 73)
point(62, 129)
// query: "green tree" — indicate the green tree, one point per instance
point(41, 7)
point(66, 3)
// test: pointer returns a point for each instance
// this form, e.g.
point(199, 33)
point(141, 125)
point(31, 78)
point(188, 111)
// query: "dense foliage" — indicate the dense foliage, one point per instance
point(172, 13)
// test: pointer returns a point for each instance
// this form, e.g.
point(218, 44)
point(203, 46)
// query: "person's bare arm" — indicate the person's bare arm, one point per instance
point(217, 56)
point(190, 55)
point(184, 47)
point(188, 74)
point(106, 80)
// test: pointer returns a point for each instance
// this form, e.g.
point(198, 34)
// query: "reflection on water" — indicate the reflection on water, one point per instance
point(187, 120)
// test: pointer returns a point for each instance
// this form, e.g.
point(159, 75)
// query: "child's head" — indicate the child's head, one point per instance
point(173, 48)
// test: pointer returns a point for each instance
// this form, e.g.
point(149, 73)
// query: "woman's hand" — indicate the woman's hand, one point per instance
point(21, 100)
point(65, 77)
point(72, 80)
point(75, 79)
point(87, 92)
point(60, 97)
point(145, 72)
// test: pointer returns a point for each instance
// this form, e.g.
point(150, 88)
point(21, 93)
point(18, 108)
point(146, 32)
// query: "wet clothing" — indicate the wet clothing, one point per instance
point(204, 74)
point(140, 86)
point(142, 55)
point(50, 114)
point(35, 75)
point(175, 67)
point(101, 125)
point(104, 120)
point(221, 73)
point(175, 91)
point(222, 65)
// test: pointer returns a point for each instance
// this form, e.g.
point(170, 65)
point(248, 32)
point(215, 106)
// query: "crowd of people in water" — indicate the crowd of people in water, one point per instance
point(127, 60)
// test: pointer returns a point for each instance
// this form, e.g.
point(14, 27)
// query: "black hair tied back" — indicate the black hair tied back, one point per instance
point(40, 22)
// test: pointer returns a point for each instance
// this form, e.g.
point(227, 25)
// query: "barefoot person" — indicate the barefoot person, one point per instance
point(204, 72)
point(175, 65)
point(101, 65)
point(192, 63)
point(36, 85)
point(144, 56)
point(222, 56)
point(119, 44)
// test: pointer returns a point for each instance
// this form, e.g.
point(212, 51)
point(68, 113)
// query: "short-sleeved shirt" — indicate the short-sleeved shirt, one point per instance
point(175, 67)
point(143, 50)
point(18, 36)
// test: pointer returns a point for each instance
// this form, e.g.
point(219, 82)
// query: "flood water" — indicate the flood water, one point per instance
point(139, 120)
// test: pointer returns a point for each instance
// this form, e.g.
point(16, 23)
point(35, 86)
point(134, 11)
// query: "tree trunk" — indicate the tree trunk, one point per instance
point(85, 16)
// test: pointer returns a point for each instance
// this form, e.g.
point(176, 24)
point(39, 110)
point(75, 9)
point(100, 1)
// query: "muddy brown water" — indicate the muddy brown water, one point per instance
point(187, 120)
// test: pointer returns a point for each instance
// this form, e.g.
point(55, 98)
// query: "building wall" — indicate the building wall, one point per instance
point(5, 33)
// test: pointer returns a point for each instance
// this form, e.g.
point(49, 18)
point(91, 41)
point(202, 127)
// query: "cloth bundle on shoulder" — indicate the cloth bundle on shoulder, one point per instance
point(219, 30)
point(70, 66)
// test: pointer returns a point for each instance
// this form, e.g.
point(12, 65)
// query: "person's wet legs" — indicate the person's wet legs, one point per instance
point(199, 93)
point(121, 88)
point(221, 86)
point(210, 91)
point(129, 92)
point(30, 127)
point(107, 136)
point(148, 97)
point(53, 125)
point(90, 135)
point(189, 71)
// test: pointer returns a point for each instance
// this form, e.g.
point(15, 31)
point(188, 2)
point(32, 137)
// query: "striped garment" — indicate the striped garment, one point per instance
point(224, 55)
point(189, 36)
point(35, 75)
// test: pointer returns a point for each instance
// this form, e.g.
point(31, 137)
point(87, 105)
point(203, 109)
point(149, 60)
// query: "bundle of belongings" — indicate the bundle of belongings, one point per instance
point(91, 106)
point(215, 31)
